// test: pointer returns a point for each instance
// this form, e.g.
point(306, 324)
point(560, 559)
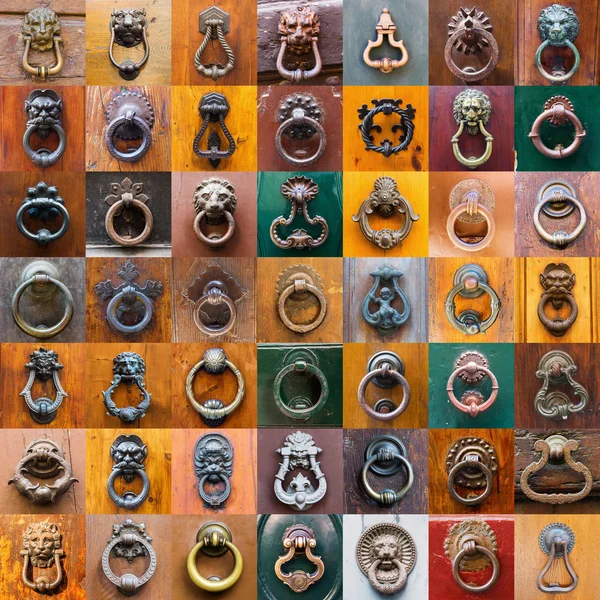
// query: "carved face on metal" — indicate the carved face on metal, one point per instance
point(385, 549)
point(298, 26)
point(43, 109)
point(128, 365)
point(215, 196)
point(44, 362)
point(558, 23)
point(472, 106)
point(129, 24)
point(556, 280)
point(40, 540)
point(41, 25)
point(212, 458)
point(128, 454)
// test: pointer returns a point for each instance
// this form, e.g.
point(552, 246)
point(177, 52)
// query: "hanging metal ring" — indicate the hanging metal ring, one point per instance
point(37, 38)
point(301, 285)
point(215, 295)
point(469, 549)
point(131, 34)
point(129, 295)
point(120, 205)
point(557, 541)
point(550, 76)
point(385, 27)
point(471, 206)
point(471, 461)
point(214, 24)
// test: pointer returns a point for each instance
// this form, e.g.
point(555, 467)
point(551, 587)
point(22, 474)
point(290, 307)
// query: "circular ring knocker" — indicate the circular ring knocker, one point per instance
point(120, 205)
point(220, 240)
point(128, 500)
point(301, 286)
point(470, 75)
point(131, 120)
point(471, 461)
point(214, 295)
point(470, 548)
point(550, 76)
point(471, 207)
point(129, 296)
point(44, 157)
point(132, 31)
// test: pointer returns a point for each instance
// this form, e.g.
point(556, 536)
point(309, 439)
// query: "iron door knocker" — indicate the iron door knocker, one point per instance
point(214, 412)
point(471, 546)
point(213, 108)
point(471, 463)
point(385, 456)
point(43, 459)
point(130, 541)
point(214, 24)
point(299, 540)
point(40, 281)
point(472, 109)
point(559, 111)
point(385, 27)
point(557, 541)
point(557, 281)
point(42, 548)
point(556, 449)
point(214, 540)
point(128, 453)
point(557, 26)
point(128, 28)
point(41, 31)
point(299, 30)
point(214, 203)
point(213, 459)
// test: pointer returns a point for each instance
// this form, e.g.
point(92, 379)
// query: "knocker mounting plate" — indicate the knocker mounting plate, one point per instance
point(42, 548)
point(213, 13)
point(471, 478)
point(554, 531)
point(213, 460)
point(485, 194)
point(471, 530)
point(214, 203)
point(384, 446)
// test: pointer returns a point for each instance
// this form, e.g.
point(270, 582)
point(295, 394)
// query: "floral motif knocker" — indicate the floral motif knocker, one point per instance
point(214, 203)
point(557, 541)
point(214, 108)
point(128, 453)
point(472, 109)
point(42, 549)
point(214, 24)
point(41, 31)
point(558, 281)
point(385, 27)
point(213, 459)
point(128, 28)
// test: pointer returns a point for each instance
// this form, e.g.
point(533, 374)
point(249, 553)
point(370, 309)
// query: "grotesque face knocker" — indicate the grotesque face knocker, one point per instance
point(128, 453)
point(213, 458)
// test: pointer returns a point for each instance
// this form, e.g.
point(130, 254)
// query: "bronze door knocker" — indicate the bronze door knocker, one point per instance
point(128, 28)
point(214, 108)
point(41, 32)
point(557, 541)
point(472, 109)
point(385, 28)
point(214, 24)
point(213, 460)
point(214, 203)
point(42, 548)
point(128, 453)
point(558, 281)
point(299, 540)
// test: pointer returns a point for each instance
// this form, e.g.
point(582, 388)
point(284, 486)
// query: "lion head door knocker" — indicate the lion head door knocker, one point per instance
point(213, 459)
point(299, 30)
point(129, 540)
point(299, 190)
point(557, 541)
point(213, 108)
point(472, 109)
point(214, 24)
point(471, 464)
point(43, 108)
point(557, 26)
point(471, 547)
point(130, 308)
point(214, 203)
point(42, 549)
point(386, 554)
point(128, 28)
point(299, 540)
point(128, 368)
point(43, 459)
point(128, 453)
point(558, 281)
point(299, 453)
point(127, 198)
point(41, 32)
point(470, 34)
point(387, 106)
point(385, 27)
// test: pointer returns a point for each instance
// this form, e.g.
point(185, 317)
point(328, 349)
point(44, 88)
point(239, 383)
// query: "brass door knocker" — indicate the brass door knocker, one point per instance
point(471, 463)
point(385, 27)
point(43, 365)
point(471, 547)
point(557, 541)
point(128, 368)
point(214, 24)
point(42, 548)
point(385, 456)
point(214, 203)
point(43, 459)
point(299, 540)
point(471, 281)
point(214, 540)
point(299, 453)
point(128, 28)
point(125, 198)
point(299, 30)
point(43, 108)
point(299, 190)
point(472, 109)
point(469, 32)
point(41, 31)
point(214, 412)
point(129, 540)
point(213, 459)
point(128, 453)
point(386, 554)
point(556, 449)
point(558, 111)
point(387, 106)
point(558, 281)
point(386, 200)
point(40, 282)
point(557, 26)
point(213, 108)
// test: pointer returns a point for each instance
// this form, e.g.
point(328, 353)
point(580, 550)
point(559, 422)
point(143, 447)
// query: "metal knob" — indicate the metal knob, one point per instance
point(299, 540)
point(128, 28)
point(385, 28)
point(43, 108)
point(557, 541)
point(41, 32)
point(42, 549)
point(214, 24)
point(557, 281)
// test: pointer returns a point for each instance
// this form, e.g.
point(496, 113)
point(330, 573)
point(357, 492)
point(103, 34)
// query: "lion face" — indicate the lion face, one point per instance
point(470, 107)
point(298, 26)
point(41, 540)
point(41, 25)
point(214, 196)
point(385, 548)
point(129, 25)
point(128, 365)
point(557, 24)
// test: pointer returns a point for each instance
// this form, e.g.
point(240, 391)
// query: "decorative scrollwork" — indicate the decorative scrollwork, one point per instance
point(41, 31)
point(128, 28)
point(213, 459)
point(42, 548)
point(128, 453)
point(213, 108)
point(558, 281)
point(214, 24)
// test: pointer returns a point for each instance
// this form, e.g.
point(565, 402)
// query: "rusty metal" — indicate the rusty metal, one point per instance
point(41, 32)
point(385, 28)
point(43, 108)
point(214, 203)
point(557, 541)
point(214, 108)
point(128, 28)
point(557, 281)
point(213, 22)
point(42, 549)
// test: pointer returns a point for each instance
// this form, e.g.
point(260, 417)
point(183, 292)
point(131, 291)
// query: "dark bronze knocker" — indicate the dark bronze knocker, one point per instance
point(128, 28)
point(128, 453)
point(558, 281)
point(213, 108)
point(213, 465)
point(214, 24)
point(557, 541)
point(41, 32)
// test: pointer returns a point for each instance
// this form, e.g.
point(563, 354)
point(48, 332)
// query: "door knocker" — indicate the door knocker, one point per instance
point(472, 367)
point(472, 109)
point(42, 548)
point(213, 459)
point(128, 453)
point(126, 198)
point(214, 412)
point(384, 28)
point(559, 111)
point(299, 190)
point(43, 108)
point(214, 24)
point(128, 28)
point(557, 541)
point(299, 30)
point(129, 540)
point(387, 106)
point(386, 200)
point(40, 282)
point(41, 31)
point(299, 540)
point(299, 453)
point(557, 26)
point(386, 554)
point(128, 368)
point(558, 281)
point(558, 199)
point(214, 540)
point(43, 459)
point(471, 463)
point(213, 108)
point(471, 546)
point(214, 203)
point(385, 456)
point(471, 281)
point(556, 449)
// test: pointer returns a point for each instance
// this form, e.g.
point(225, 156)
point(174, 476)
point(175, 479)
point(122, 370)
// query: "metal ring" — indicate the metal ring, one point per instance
point(127, 414)
point(473, 162)
point(560, 238)
point(384, 371)
point(475, 76)
point(129, 70)
point(463, 464)
point(43, 72)
point(222, 298)
point(128, 500)
point(210, 585)
point(43, 236)
point(475, 588)
point(387, 497)
point(111, 313)
point(557, 327)
point(299, 74)
point(300, 413)
point(44, 157)
point(218, 241)
point(307, 287)
point(110, 226)
point(138, 153)
point(472, 328)
point(214, 501)
point(559, 152)
point(473, 409)
point(301, 120)
point(557, 78)
point(485, 242)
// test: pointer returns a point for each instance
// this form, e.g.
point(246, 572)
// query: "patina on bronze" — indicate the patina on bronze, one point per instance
point(557, 541)
point(41, 32)
point(128, 28)
point(42, 549)
point(557, 281)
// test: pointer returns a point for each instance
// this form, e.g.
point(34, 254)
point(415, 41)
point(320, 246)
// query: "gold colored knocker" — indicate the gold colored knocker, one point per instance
point(41, 31)
point(385, 27)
